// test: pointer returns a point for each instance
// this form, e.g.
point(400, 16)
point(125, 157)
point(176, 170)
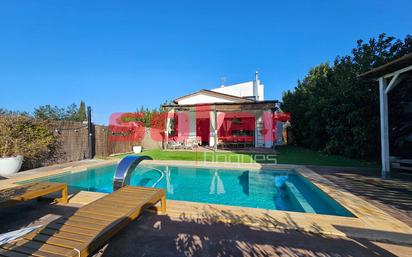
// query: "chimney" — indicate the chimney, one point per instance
point(256, 83)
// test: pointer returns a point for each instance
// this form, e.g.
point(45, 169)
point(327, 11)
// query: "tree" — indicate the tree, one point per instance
point(48, 112)
point(71, 113)
point(82, 112)
point(333, 110)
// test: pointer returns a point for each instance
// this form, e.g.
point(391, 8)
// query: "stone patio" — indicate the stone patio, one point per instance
point(381, 228)
point(161, 235)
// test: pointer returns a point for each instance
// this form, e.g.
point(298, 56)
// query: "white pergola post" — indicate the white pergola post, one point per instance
point(383, 97)
point(384, 89)
point(167, 128)
point(213, 128)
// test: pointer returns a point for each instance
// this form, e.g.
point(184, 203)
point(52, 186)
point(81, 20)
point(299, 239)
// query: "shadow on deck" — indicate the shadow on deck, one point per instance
point(393, 195)
point(163, 236)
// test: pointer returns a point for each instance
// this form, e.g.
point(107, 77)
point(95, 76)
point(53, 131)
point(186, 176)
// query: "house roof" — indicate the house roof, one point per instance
point(239, 106)
point(215, 94)
point(388, 68)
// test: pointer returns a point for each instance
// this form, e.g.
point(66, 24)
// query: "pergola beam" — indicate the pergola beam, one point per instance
point(403, 70)
point(393, 83)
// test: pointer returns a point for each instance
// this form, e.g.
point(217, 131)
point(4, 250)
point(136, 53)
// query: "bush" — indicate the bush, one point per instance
point(23, 135)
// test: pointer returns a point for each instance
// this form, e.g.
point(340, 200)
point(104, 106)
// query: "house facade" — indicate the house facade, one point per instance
point(233, 116)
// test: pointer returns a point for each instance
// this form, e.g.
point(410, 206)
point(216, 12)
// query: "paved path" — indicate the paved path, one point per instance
point(393, 196)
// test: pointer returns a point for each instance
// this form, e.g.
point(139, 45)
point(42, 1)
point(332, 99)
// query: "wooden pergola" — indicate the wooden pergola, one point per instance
point(388, 76)
point(224, 107)
point(214, 108)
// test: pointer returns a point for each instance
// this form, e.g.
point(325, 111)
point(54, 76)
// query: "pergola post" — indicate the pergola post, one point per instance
point(216, 136)
point(395, 71)
point(167, 127)
point(383, 98)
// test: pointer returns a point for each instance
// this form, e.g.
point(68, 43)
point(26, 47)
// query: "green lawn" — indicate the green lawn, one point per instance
point(285, 155)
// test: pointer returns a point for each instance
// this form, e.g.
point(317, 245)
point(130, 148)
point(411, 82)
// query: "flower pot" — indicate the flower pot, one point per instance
point(10, 165)
point(137, 149)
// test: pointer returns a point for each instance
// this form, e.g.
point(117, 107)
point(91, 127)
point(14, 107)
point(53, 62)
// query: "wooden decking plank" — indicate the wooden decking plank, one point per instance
point(87, 215)
point(92, 212)
point(134, 190)
point(104, 209)
point(81, 225)
point(107, 204)
point(141, 193)
point(115, 201)
point(138, 194)
point(66, 235)
point(30, 252)
point(114, 205)
point(13, 254)
point(51, 240)
point(134, 199)
point(131, 200)
point(8, 253)
point(22, 244)
point(138, 188)
point(74, 230)
point(91, 220)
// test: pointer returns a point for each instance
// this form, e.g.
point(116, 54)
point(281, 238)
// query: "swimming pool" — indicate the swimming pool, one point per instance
point(267, 189)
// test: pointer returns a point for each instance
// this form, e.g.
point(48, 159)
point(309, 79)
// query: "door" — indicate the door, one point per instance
point(203, 130)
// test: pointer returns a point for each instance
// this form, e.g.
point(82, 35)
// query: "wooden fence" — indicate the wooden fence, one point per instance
point(73, 142)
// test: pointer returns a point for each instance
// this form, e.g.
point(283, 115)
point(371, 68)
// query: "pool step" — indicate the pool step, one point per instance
point(297, 198)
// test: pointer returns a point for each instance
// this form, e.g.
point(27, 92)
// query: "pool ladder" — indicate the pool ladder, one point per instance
point(162, 175)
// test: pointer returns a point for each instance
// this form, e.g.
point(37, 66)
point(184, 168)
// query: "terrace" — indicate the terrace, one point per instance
point(193, 229)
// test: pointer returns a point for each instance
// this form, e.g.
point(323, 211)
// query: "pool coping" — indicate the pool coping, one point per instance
point(370, 222)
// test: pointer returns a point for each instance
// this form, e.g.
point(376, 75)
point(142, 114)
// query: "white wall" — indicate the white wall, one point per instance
point(203, 99)
point(261, 91)
point(241, 90)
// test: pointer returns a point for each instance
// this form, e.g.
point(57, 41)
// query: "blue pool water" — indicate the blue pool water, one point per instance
point(267, 189)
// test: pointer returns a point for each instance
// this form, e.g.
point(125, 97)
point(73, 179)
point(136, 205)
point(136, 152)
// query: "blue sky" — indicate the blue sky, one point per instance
point(119, 55)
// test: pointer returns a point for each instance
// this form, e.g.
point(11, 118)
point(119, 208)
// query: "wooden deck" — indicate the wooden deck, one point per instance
point(32, 191)
point(90, 227)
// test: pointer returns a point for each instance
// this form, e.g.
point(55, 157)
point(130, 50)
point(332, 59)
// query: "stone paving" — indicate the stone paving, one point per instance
point(163, 236)
point(249, 232)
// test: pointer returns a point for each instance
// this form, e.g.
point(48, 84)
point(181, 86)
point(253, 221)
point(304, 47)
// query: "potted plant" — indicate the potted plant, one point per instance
point(23, 137)
point(137, 149)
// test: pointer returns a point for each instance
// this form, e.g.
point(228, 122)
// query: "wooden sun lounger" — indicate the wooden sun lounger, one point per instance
point(32, 191)
point(90, 227)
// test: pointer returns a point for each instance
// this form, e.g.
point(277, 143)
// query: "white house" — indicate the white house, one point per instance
point(228, 116)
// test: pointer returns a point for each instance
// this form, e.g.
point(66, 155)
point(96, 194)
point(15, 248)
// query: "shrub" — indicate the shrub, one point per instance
point(23, 135)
